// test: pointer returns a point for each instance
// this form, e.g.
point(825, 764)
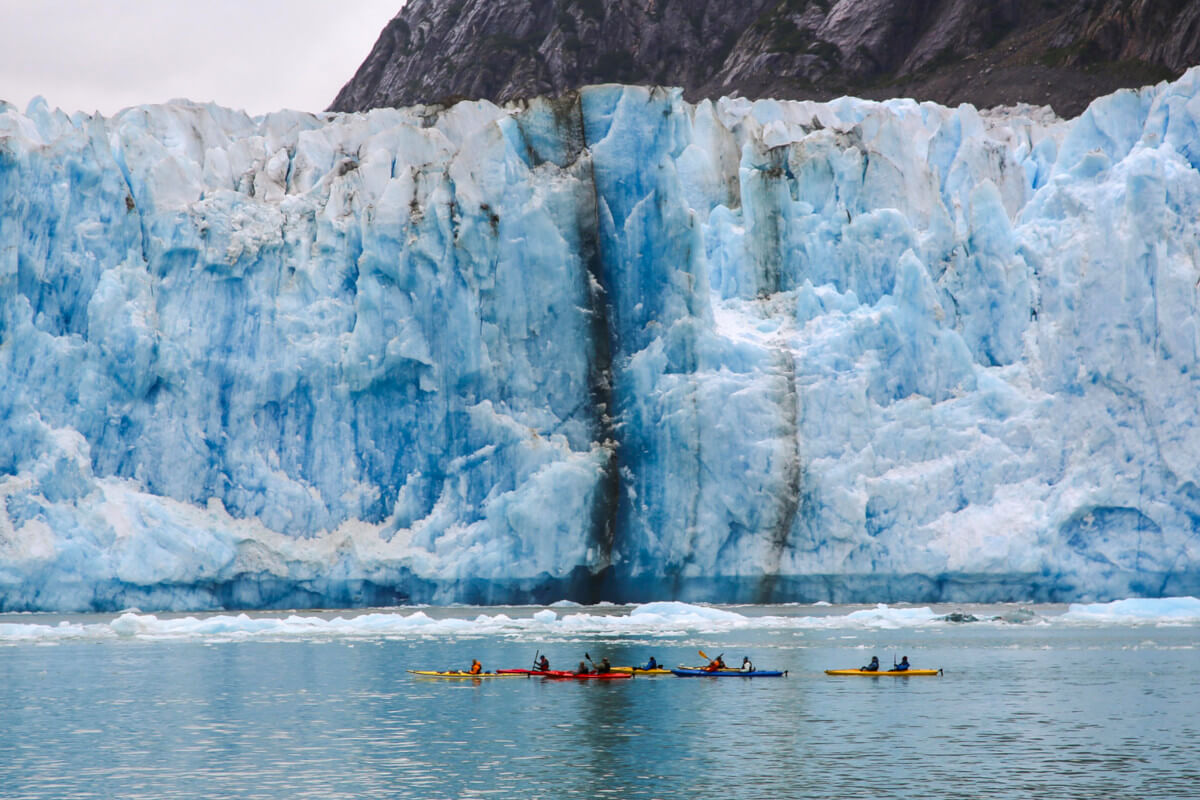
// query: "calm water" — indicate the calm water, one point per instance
point(1033, 710)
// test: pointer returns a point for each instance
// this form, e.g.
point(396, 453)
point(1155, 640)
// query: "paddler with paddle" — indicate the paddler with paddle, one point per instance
point(603, 668)
point(714, 664)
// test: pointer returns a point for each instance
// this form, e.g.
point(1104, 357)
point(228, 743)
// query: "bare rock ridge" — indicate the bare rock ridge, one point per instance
point(1062, 53)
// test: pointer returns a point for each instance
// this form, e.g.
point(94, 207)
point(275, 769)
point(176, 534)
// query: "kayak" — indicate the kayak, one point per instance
point(595, 676)
point(641, 671)
point(558, 673)
point(884, 674)
point(697, 672)
point(429, 673)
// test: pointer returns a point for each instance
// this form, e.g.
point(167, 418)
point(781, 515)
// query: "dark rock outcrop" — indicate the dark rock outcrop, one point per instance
point(1062, 53)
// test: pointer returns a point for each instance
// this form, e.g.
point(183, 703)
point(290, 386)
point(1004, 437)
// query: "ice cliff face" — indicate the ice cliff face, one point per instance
point(612, 346)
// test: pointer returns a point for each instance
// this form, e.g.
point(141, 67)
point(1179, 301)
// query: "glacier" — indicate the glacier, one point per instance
point(606, 346)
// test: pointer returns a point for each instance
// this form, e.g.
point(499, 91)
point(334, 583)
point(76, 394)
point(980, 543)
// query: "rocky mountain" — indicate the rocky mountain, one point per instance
point(1061, 53)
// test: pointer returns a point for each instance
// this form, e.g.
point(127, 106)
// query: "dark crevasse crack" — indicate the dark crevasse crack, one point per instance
point(571, 136)
point(789, 503)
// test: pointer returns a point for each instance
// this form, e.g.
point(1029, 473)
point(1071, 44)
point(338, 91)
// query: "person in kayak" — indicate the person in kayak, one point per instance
point(603, 667)
point(542, 664)
point(582, 669)
point(476, 667)
point(901, 667)
point(651, 664)
point(716, 664)
point(873, 666)
point(747, 664)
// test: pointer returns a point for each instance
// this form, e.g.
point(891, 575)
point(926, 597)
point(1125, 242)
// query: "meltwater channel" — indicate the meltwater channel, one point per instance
point(1047, 701)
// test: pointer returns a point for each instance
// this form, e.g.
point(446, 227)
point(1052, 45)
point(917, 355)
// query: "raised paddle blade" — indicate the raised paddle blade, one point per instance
point(704, 655)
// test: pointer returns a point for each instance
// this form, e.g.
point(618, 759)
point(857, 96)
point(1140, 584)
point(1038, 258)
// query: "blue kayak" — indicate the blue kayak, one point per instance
point(685, 672)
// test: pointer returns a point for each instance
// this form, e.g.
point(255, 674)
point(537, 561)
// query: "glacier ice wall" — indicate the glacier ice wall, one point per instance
point(608, 346)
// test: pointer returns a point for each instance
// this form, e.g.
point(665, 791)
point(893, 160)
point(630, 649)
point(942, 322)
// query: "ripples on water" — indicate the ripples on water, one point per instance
point(1022, 711)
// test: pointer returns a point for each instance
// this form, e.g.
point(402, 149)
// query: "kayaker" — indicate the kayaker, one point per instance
point(716, 664)
point(476, 667)
point(873, 666)
point(542, 664)
point(747, 664)
point(651, 664)
point(901, 667)
point(603, 667)
point(582, 669)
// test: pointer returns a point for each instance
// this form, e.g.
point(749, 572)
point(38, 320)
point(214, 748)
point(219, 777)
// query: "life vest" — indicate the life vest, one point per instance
point(476, 668)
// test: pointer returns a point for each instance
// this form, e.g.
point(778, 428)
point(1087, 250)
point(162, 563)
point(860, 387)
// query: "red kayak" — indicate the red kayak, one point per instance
point(558, 673)
point(593, 676)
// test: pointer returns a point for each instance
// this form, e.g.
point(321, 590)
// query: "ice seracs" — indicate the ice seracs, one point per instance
point(607, 346)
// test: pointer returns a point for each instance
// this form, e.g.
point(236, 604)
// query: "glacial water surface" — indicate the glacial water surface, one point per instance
point(321, 706)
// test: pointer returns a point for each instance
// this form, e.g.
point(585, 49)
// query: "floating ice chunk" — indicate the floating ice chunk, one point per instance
point(883, 616)
point(1166, 609)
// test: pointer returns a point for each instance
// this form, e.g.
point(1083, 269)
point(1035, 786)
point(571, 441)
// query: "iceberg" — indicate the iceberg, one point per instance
point(607, 346)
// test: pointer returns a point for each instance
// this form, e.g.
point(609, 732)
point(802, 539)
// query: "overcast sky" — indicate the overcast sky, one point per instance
point(257, 55)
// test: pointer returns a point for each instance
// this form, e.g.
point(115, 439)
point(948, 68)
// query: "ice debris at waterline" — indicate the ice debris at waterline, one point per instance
point(612, 346)
point(656, 620)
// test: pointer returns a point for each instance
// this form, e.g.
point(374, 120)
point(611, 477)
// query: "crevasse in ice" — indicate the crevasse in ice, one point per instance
point(610, 346)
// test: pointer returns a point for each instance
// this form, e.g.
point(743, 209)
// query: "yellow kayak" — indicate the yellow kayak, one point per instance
point(429, 673)
point(640, 671)
point(908, 673)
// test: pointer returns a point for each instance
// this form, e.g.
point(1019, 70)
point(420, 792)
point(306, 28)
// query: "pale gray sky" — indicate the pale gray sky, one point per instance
point(257, 55)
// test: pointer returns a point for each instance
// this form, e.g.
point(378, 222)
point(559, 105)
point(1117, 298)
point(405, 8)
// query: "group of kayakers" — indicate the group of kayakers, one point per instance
point(874, 665)
point(542, 664)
